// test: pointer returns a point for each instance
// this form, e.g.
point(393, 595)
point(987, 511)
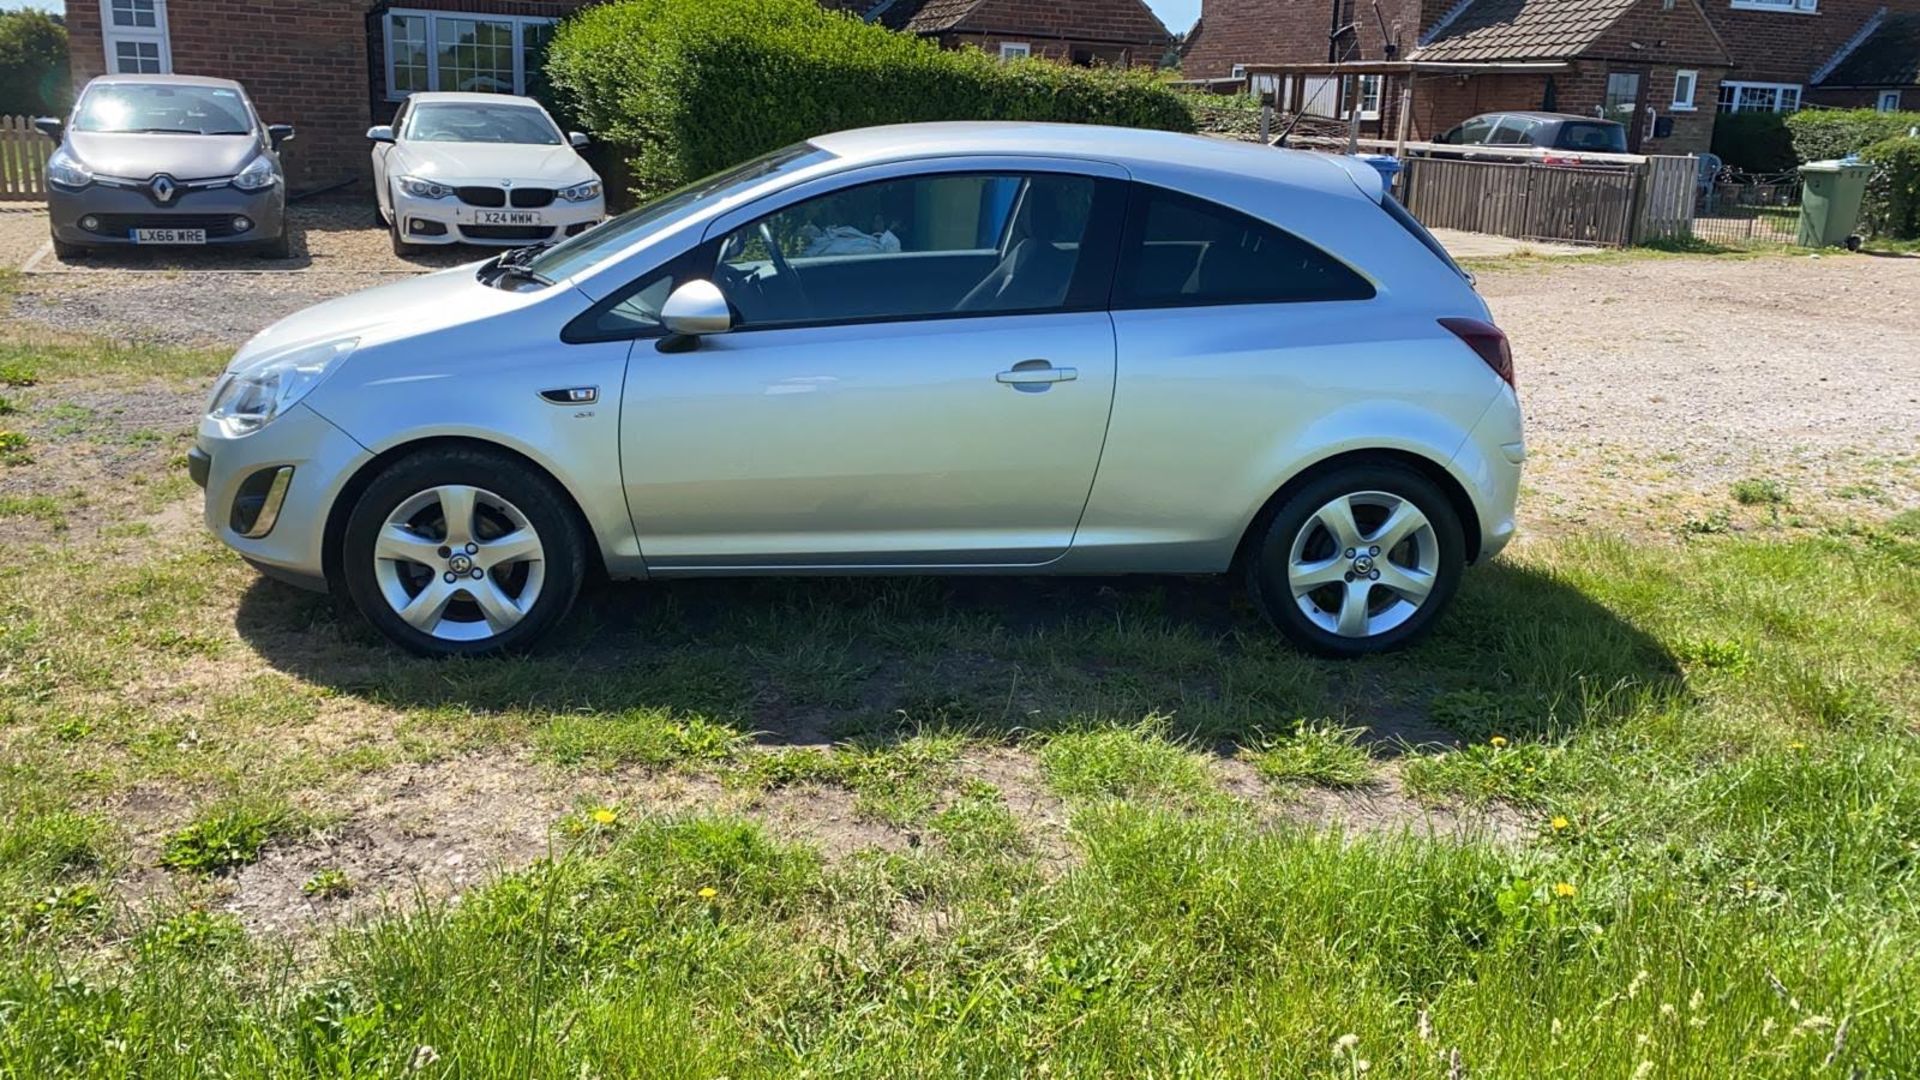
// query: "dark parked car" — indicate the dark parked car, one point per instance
point(168, 160)
point(1537, 130)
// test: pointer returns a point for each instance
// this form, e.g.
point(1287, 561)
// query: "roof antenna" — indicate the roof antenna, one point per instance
point(1300, 107)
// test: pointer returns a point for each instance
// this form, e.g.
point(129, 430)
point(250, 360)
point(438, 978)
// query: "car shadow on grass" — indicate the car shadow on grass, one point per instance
point(812, 661)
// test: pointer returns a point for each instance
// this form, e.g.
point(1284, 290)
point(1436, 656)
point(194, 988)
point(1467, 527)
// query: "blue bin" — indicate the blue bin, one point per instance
point(1387, 165)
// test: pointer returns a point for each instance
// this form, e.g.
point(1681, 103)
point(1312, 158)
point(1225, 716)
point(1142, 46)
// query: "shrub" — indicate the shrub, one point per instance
point(1755, 142)
point(1824, 134)
point(688, 87)
point(33, 63)
point(1893, 193)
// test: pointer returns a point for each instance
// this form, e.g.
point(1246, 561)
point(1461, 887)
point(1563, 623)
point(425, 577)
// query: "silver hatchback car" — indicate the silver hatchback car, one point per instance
point(936, 349)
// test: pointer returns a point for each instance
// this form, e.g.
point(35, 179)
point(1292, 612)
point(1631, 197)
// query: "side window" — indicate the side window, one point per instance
point(633, 312)
point(1181, 251)
point(921, 247)
point(1513, 131)
point(1475, 130)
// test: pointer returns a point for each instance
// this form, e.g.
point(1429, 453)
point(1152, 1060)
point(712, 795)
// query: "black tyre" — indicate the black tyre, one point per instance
point(64, 250)
point(1359, 561)
point(280, 247)
point(400, 246)
point(462, 552)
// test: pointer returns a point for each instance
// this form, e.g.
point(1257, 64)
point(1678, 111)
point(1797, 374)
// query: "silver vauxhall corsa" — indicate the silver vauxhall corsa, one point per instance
point(943, 348)
point(166, 160)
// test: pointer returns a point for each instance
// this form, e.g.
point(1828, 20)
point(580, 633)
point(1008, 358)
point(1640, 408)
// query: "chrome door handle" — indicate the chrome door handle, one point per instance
point(1026, 376)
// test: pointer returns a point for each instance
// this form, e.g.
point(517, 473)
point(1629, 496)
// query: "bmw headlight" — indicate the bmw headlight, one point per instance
point(257, 175)
point(65, 170)
point(581, 192)
point(250, 395)
point(424, 189)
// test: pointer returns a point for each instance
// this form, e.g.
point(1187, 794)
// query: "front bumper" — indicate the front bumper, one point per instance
point(120, 210)
point(301, 454)
point(450, 221)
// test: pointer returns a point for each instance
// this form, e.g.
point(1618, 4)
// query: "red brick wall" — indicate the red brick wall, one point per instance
point(1295, 31)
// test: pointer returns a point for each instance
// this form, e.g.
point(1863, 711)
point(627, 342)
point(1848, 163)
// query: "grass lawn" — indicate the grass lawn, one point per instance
point(1646, 806)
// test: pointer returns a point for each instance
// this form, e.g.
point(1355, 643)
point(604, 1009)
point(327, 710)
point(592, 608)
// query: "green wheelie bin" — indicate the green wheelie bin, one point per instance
point(1830, 193)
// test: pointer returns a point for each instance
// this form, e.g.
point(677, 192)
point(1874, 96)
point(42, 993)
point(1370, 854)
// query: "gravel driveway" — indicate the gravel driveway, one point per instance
point(1651, 385)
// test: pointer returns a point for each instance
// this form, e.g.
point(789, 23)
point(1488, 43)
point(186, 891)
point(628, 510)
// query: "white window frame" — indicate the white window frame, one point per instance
point(1015, 50)
point(1887, 101)
point(1797, 7)
point(111, 36)
point(1378, 85)
point(433, 17)
point(1684, 102)
point(1780, 92)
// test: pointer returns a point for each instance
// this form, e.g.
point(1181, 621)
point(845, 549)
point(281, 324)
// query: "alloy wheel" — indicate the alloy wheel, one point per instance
point(459, 563)
point(1363, 563)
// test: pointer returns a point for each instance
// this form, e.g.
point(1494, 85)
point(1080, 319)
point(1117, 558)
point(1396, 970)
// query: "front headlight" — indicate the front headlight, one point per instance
point(248, 397)
point(65, 170)
point(581, 192)
point(258, 174)
point(424, 189)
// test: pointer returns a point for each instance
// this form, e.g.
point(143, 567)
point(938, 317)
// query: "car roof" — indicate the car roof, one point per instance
point(1554, 116)
point(1146, 154)
point(467, 97)
point(164, 80)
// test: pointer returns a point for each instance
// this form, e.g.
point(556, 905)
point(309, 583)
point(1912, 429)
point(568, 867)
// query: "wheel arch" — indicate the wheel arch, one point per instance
point(1434, 471)
point(349, 494)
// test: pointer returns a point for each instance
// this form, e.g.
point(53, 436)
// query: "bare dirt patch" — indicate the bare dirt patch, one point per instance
point(1381, 808)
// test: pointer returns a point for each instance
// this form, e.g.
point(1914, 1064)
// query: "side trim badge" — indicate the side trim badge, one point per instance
point(571, 395)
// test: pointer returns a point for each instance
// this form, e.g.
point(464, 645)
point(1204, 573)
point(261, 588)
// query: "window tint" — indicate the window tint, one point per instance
point(1184, 251)
point(912, 248)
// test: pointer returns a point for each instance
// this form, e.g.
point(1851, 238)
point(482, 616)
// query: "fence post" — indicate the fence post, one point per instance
point(1635, 223)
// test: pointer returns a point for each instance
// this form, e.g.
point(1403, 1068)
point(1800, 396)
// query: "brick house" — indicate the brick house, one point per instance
point(333, 68)
point(1680, 61)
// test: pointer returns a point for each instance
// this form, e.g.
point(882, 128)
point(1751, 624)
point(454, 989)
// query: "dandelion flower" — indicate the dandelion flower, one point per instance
point(1559, 823)
point(423, 1056)
point(1498, 741)
point(1564, 889)
point(1346, 1042)
point(604, 816)
point(1796, 745)
point(709, 893)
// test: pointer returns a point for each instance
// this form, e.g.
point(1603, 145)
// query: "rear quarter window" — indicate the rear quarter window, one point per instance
point(1180, 251)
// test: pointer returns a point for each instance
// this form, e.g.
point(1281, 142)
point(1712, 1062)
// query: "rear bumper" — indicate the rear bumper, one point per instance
point(1490, 464)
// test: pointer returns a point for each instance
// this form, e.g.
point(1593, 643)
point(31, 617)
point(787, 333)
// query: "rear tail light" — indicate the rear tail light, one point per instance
point(1489, 341)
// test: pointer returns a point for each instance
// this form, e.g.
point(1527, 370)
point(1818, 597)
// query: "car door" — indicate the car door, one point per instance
point(920, 376)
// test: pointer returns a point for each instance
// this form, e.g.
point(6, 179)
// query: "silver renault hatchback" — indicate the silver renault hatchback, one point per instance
point(926, 349)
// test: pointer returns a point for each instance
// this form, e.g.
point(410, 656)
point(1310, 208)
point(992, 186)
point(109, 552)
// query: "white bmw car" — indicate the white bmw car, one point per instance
point(480, 169)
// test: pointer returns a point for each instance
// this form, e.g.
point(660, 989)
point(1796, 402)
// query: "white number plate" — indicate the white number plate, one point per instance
point(506, 217)
point(169, 236)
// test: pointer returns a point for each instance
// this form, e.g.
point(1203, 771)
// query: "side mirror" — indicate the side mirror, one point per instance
point(694, 310)
point(279, 133)
point(578, 139)
point(50, 126)
point(380, 133)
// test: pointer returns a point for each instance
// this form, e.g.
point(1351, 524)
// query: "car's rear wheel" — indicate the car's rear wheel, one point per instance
point(462, 552)
point(1360, 561)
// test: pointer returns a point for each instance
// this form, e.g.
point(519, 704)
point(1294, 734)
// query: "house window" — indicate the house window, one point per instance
point(1369, 96)
point(1684, 84)
point(432, 50)
point(1015, 50)
point(134, 33)
point(1889, 101)
point(1759, 97)
point(1804, 7)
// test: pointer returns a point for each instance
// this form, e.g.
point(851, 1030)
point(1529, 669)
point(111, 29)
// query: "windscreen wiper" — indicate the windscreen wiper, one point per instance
point(513, 263)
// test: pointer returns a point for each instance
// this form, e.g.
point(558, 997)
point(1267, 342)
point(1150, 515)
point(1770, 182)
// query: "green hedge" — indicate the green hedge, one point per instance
point(1824, 134)
point(1754, 142)
point(1893, 194)
point(685, 88)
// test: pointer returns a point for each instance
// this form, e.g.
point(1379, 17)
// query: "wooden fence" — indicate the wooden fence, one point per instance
point(1612, 204)
point(23, 160)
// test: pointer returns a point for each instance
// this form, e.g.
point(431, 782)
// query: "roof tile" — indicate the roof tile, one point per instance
point(1522, 29)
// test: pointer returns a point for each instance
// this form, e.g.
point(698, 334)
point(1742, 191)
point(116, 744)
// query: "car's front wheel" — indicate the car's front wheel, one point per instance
point(462, 552)
point(1362, 560)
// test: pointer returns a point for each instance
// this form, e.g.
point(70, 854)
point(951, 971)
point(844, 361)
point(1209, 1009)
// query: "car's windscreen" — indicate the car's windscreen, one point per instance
point(158, 108)
point(1598, 138)
point(476, 122)
point(573, 255)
